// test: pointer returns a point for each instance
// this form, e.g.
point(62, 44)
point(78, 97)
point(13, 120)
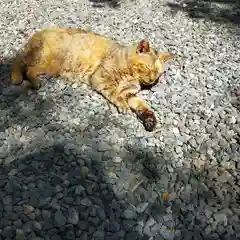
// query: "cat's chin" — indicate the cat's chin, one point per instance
point(145, 86)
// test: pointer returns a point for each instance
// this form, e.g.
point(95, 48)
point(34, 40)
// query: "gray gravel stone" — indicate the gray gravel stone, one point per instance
point(84, 172)
point(142, 207)
point(28, 209)
point(101, 214)
point(73, 216)
point(94, 220)
point(86, 202)
point(84, 236)
point(98, 235)
point(79, 189)
point(221, 218)
point(37, 226)
point(27, 227)
point(20, 234)
point(129, 214)
point(114, 227)
point(7, 199)
point(83, 225)
point(128, 224)
point(59, 218)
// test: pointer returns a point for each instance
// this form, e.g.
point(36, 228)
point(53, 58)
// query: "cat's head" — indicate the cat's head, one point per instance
point(147, 65)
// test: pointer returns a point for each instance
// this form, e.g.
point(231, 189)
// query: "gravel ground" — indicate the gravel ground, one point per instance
point(73, 168)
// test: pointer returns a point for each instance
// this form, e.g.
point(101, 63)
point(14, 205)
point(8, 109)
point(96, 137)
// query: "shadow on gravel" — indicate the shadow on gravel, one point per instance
point(63, 192)
point(102, 3)
point(222, 11)
point(235, 101)
point(16, 102)
point(235, 97)
point(75, 188)
point(202, 198)
point(59, 192)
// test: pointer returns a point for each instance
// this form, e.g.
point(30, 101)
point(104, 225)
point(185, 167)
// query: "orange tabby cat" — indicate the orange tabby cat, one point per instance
point(115, 71)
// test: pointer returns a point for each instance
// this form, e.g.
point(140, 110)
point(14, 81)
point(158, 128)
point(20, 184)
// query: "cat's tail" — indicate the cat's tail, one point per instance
point(18, 70)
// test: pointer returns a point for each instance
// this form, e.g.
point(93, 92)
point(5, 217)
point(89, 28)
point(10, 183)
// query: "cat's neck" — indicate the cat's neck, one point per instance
point(118, 63)
point(121, 56)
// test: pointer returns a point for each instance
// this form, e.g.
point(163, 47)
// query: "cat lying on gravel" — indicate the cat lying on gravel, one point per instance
point(115, 71)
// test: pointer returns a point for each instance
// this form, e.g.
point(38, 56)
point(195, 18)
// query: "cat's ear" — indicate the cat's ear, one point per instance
point(143, 46)
point(165, 56)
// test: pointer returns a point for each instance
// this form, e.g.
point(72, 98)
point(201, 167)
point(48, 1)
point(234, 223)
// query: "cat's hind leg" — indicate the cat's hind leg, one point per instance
point(32, 74)
point(17, 72)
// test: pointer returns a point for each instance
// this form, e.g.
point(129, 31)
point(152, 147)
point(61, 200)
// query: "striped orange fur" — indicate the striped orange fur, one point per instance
point(115, 71)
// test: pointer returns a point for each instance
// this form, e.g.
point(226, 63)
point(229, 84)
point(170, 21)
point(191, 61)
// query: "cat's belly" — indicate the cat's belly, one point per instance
point(74, 76)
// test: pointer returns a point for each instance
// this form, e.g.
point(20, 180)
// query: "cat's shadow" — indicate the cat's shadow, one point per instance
point(16, 100)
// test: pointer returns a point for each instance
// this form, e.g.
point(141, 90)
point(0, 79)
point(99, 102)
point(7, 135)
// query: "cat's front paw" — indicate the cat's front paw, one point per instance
point(123, 107)
point(148, 118)
point(123, 110)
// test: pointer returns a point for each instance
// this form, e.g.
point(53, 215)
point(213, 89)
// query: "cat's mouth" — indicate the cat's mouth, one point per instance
point(148, 85)
point(161, 76)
